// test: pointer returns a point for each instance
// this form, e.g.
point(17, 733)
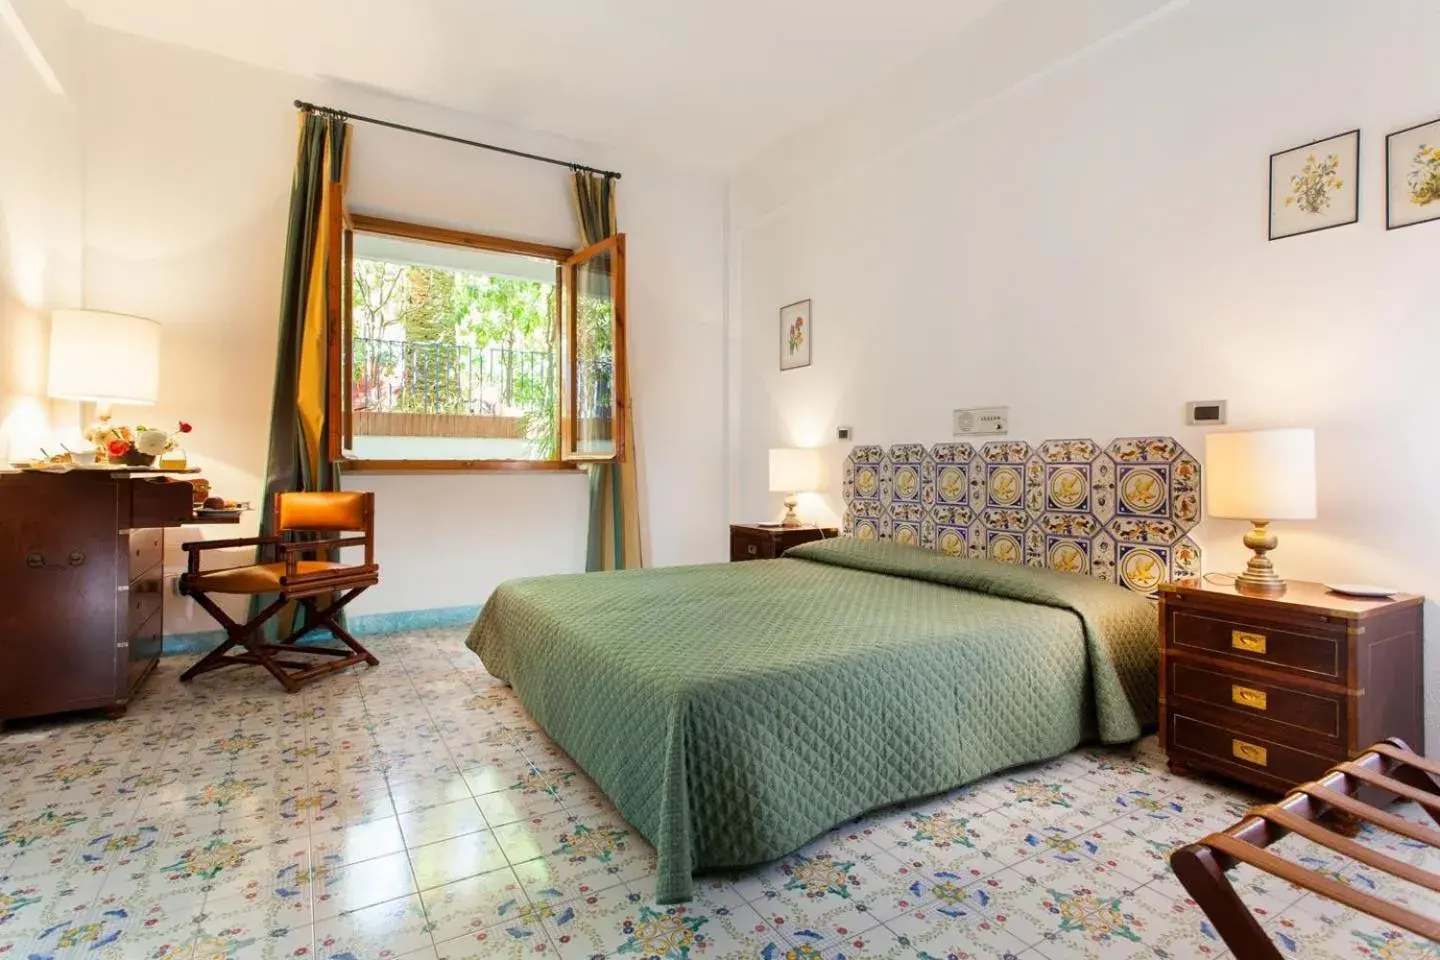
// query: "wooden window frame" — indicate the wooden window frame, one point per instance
point(614, 246)
point(342, 328)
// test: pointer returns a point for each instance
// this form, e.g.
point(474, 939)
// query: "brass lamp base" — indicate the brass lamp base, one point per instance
point(791, 519)
point(1259, 579)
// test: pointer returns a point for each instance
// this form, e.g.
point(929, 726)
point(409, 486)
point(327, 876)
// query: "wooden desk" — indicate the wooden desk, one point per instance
point(82, 576)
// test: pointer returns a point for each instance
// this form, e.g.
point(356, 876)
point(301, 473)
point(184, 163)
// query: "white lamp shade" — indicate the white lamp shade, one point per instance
point(1261, 474)
point(105, 357)
point(795, 470)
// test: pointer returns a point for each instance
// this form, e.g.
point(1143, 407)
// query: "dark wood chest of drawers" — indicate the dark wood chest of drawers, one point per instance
point(1273, 691)
point(81, 563)
point(751, 542)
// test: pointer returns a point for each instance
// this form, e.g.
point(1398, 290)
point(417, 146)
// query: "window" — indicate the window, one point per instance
point(461, 351)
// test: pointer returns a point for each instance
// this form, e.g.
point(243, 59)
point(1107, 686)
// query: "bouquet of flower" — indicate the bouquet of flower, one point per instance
point(137, 445)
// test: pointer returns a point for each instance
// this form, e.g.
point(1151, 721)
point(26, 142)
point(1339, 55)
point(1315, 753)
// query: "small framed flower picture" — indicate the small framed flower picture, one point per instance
point(1315, 186)
point(1412, 162)
point(797, 332)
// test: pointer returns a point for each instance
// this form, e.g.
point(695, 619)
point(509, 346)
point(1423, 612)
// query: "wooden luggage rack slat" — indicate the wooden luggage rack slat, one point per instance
point(1389, 766)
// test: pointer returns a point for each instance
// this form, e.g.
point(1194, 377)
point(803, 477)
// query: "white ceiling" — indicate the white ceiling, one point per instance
point(704, 82)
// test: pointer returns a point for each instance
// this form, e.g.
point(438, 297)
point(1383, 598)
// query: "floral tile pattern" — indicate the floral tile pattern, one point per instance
point(416, 812)
point(1120, 512)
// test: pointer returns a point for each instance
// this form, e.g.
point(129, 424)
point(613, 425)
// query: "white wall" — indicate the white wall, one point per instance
point(187, 179)
point(1083, 237)
point(40, 226)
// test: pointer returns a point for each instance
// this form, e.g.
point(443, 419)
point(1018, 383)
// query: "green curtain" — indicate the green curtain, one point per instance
point(299, 433)
point(614, 535)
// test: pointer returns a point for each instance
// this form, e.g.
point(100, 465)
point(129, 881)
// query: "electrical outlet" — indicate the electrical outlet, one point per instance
point(982, 422)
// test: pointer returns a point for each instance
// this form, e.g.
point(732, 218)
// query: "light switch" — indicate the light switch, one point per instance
point(1205, 412)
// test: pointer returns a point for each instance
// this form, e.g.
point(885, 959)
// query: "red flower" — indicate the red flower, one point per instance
point(117, 447)
point(184, 427)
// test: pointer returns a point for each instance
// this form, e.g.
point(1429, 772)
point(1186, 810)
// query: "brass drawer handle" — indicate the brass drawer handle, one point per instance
point(1248, 697)
point(1249, 752)
point(751, 549)
point(1249, 642)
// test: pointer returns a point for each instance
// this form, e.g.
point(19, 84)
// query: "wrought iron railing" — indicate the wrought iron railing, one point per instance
point(404, 376)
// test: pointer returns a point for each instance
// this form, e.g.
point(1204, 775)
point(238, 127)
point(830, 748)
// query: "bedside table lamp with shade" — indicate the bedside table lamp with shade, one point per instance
point(1261, 476)
point(104, 358)
point(794, 471)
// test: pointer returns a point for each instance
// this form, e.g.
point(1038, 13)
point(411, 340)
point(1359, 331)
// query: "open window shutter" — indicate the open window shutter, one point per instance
point(339, 331)
point(593, 394)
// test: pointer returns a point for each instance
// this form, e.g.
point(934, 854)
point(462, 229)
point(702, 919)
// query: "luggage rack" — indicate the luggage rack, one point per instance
point(1387, 768)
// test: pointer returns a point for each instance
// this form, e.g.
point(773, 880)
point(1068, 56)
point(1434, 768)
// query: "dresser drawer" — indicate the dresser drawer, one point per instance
point(1285, 709)
point(1318, 652)
point(1258, 756)
point(144, 600)
point(155, 502)
point(145, 548)
point(745, 545)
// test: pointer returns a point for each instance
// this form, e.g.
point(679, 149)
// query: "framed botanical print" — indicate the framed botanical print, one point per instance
point(1315, 186)
point(1412, 175)
point(797, 332)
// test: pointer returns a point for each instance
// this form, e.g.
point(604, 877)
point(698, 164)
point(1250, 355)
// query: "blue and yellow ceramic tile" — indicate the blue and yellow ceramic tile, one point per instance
point(905, 462)
point(1067, 555)
point(1005, 474)
point(1119, 513)
point(1143, 568)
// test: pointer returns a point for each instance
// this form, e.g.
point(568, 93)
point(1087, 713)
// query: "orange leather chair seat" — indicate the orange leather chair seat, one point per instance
point(256, 578)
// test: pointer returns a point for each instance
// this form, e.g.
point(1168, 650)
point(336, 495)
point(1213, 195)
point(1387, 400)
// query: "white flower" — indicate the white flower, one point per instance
point(152, 442)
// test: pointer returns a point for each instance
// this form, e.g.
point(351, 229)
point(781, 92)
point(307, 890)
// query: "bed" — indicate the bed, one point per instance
point(733, 712)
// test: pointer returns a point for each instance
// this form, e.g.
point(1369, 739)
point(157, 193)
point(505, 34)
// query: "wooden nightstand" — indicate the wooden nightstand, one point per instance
point(749, 542)
point(1272, 691)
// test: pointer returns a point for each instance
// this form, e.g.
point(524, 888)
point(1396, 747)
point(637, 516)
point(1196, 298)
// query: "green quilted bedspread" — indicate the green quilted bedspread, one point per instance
point(735, 711)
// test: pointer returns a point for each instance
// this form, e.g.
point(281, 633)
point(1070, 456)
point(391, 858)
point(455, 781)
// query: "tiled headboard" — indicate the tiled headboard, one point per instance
point(1120, 512)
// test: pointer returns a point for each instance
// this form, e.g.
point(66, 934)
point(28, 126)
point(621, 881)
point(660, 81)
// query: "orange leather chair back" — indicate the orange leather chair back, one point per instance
point(348, 510)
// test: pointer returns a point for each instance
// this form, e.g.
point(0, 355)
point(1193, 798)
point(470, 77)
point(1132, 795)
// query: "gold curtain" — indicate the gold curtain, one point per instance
point(614, 539)
point(310, 305)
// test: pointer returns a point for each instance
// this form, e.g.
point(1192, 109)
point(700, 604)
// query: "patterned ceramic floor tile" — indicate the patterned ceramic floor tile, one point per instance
point(417, 811)
point(355, 886)
point(246, 928)
point(359, 841)
point(437, 864)
point(578, 852)
point(441, 822)
point(491, 902)
point(955, 922)
point(417, 794)
point(380, 932)
point(619, 922)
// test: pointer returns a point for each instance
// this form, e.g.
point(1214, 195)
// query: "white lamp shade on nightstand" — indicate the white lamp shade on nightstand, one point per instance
point(1261, 474)
point(104, 357)
point(795, 470)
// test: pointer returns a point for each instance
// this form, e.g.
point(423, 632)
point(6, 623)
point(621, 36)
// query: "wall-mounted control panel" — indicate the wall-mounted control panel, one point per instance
point(982, 422)
point(1205, 412)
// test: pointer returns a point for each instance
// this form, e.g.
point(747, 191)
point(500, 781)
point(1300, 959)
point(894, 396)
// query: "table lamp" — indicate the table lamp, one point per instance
point(1260, 476)
point(104, 357)
point(793, 471)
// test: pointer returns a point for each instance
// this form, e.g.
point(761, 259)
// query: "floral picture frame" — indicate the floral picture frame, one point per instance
point(797, 334)
point(1412, 175)
point(1315, 186)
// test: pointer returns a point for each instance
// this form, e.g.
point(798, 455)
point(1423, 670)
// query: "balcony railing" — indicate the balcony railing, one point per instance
point(429, 377)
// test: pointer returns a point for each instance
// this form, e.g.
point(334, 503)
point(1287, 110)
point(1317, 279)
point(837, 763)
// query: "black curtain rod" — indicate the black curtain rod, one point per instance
point(302, 105)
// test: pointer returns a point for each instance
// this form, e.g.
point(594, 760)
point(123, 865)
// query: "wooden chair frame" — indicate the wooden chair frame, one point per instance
point(1388, 769)
point(348, 582)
